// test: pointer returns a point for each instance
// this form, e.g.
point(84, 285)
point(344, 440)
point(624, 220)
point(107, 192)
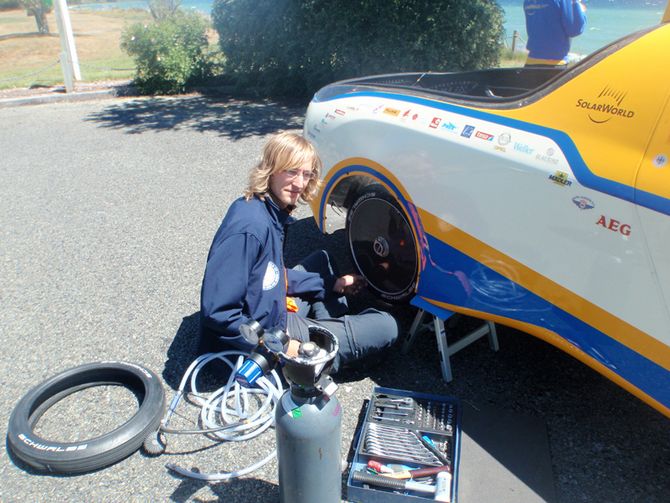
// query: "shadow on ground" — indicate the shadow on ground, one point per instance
point(243, 489)
point(182, 350)
point(232, 118)
point(32, 34)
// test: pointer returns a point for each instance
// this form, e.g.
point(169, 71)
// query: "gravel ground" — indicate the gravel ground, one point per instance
point(108, 209)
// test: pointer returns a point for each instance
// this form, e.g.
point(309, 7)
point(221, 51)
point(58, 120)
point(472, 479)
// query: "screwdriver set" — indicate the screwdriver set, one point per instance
point(407, 449)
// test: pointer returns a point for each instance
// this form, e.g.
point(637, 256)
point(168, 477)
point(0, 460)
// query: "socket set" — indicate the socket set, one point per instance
point(404, 445)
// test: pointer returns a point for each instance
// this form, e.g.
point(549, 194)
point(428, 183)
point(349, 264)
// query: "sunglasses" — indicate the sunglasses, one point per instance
point(294, 173)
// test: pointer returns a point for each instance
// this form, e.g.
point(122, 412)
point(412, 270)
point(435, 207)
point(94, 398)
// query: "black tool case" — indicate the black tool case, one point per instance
point(403, 428)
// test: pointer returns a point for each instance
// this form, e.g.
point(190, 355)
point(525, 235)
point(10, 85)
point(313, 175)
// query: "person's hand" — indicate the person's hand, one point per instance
point(349, 284)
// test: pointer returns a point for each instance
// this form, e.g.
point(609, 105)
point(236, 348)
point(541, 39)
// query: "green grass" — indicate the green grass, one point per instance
point(29, 60)
point(92, 70)
point(509, 59)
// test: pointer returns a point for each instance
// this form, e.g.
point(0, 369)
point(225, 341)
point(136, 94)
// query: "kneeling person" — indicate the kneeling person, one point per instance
point(245, 278)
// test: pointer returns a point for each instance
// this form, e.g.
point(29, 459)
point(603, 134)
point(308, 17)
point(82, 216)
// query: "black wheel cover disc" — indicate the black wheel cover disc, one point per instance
point(382, 246)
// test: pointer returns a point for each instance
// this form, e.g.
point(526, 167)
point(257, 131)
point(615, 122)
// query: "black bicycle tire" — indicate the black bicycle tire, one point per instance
point(98, 452)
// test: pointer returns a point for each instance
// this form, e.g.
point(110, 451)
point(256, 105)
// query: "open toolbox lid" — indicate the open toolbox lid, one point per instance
point(406, 431)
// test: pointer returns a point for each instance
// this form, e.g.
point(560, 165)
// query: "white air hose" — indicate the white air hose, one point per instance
point(226, 423)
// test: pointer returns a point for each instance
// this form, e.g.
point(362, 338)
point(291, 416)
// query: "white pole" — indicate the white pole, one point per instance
point(66, 66)
point(69, 59)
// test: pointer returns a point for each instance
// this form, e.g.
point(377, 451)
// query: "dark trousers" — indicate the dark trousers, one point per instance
point(360, 335)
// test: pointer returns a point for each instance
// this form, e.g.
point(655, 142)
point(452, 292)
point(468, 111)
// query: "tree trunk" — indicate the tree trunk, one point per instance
point(40, 13)
point(41, 20)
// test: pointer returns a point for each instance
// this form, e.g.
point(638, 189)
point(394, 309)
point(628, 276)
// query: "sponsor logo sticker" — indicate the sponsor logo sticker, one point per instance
point(660, 160)
point(504, 139)
point(560, 178)
point(435, 122)
point(449, 126)
point(583, 203)
point(523, 148)
point(606, 106)
point(393, 112)
point(614, 225)
point(484, 136)
point(548, 156)
point(467, 131)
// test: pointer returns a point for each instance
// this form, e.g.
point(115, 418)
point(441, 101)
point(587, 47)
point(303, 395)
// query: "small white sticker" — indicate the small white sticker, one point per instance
point(660, 160)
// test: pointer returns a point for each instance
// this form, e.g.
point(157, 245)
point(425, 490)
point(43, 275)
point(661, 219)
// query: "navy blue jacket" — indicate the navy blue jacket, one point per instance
point(245, 278)
point(550, 24)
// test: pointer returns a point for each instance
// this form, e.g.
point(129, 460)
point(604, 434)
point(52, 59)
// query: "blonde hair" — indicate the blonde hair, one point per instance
point(282, 152)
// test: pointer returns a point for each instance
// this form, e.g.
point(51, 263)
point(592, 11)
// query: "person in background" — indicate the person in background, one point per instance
point(245, 278)
point(550, 24)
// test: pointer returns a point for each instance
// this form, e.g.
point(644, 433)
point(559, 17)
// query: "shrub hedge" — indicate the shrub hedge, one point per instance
point(293, 47)
point(170, 54)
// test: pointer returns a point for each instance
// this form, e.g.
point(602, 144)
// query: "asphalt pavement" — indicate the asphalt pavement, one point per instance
point(108, 208)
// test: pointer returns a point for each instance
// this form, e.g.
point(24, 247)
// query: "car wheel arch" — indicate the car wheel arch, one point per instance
point(347, 192)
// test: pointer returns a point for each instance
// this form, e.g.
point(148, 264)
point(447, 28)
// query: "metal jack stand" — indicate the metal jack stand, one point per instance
point(488, 328)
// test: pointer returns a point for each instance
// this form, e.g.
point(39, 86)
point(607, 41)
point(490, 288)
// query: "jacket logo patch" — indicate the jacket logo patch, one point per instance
point(271, 278)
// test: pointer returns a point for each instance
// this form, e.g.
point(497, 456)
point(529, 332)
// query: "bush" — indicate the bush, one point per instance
point(296, 46)
point(170, 54)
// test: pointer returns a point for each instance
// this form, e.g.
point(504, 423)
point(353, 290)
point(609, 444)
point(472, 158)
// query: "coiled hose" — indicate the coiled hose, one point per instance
point(219, 420)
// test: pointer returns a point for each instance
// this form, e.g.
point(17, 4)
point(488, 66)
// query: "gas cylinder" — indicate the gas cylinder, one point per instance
point(308, 417)
point(309, 437)
point(308, 424)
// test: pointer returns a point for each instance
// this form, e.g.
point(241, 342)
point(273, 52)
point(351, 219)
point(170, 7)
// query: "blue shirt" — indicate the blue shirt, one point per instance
point(550, 24)
point(245, 278)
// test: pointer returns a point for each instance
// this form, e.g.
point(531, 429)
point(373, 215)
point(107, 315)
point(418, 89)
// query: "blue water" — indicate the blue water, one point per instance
point(604, 24)
point(204, 6)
